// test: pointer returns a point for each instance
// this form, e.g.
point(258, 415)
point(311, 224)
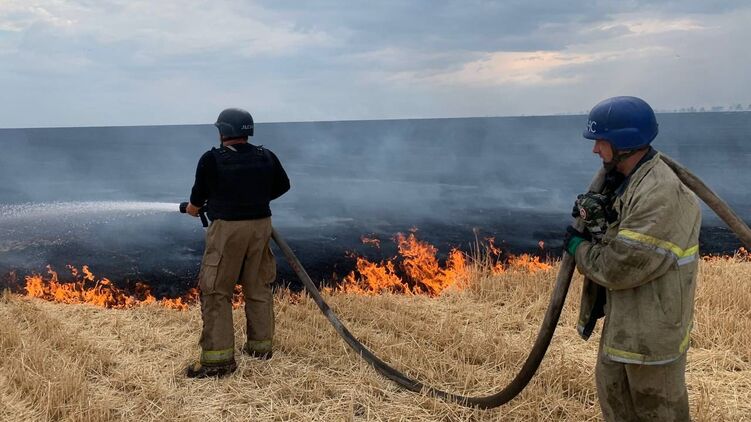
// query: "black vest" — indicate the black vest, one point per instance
point(243, 184)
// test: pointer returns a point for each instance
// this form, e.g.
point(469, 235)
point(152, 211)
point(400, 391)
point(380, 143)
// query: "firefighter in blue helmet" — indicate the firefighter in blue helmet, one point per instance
point(236, 182)
point(639, 255)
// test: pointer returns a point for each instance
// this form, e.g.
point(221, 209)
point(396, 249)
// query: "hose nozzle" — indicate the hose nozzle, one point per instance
point(201, 213)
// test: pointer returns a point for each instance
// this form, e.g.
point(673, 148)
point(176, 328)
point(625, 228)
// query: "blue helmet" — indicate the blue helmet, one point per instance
point(628, 123)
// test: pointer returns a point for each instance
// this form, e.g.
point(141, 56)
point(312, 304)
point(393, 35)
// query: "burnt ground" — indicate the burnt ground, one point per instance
point(513, 178)
point(165, 250)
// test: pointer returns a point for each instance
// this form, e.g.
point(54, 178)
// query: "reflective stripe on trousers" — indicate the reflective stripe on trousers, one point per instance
point(217, 356)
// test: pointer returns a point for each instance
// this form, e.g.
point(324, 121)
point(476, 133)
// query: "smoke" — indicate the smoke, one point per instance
point(108, 197)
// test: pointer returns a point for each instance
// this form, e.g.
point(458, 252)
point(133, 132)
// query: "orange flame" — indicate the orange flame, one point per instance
point(86, 288)
point(421, 265)
point(418, 262)
point(424, 274)
point(492, 248)
point(371, 241)
point(527, 263)
point(740, 255)
point(374, 279)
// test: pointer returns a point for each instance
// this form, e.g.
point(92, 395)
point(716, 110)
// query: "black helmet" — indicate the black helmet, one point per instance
point(234, 123)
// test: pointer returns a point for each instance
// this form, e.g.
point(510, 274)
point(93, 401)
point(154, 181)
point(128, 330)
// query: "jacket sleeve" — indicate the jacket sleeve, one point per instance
point(205, 178)
point(641, 250)
point(280, 183)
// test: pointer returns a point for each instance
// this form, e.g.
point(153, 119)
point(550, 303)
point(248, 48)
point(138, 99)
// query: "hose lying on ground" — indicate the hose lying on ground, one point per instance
point(550, 321)
point(529, 368)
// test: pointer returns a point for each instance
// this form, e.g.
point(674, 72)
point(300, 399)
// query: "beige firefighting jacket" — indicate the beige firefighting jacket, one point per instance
point(647, 263)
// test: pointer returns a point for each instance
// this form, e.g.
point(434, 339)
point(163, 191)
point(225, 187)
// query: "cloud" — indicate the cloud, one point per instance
point(19, 15)
point(503, 68)
point(141, 28)
point(102, 62)
point(636, 26)
point(625, 39)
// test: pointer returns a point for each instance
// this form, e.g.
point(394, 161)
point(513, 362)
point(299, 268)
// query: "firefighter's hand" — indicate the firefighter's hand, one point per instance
point(573, 239)
point(192, 210)
point(591, 208)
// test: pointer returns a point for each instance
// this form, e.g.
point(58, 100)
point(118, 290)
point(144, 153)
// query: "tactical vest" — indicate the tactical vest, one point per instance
point(243, 184)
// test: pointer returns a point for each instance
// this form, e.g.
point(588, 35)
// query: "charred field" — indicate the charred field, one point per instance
point(169, 263)
point(112, 205)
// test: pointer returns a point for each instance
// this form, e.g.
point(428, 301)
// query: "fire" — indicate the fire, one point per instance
point(87, 288)
point(490, 246)
point(373, 279)
point(519, 263)
point(415, 270)
point(740, 255)
point(371, 241)
point(526, 263)
point(424, 274)
point(421, 265)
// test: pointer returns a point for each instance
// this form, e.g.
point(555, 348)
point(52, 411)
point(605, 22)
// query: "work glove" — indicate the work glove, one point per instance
point(573, 239)
point(593, 209)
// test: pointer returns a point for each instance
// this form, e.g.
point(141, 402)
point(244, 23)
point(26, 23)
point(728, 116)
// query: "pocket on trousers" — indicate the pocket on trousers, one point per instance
point(209, 271)
point(267, 270)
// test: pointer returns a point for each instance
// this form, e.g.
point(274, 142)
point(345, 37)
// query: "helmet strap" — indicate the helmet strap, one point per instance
point(618, 157)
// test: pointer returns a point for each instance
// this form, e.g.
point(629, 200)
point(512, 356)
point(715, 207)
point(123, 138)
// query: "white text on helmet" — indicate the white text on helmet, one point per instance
point(591, 126)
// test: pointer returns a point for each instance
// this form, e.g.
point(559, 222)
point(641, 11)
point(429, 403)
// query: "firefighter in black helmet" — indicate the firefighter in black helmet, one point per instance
point(234, 123)
point(236, 182)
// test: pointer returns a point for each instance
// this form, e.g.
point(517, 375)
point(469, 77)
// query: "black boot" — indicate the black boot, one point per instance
point(263, 355)
point(206, 370)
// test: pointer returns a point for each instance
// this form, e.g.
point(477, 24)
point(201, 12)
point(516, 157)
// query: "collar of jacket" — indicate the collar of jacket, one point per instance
point(638, 172)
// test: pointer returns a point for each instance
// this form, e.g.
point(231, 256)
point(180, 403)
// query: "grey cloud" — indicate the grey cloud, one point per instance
point(80, 76)
point(434, 25)
point(474, 25)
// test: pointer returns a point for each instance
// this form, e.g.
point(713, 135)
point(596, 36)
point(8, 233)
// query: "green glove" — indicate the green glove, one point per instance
point(573, 239)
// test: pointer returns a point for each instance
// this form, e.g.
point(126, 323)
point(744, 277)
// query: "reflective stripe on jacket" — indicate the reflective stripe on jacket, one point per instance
point(647, 263)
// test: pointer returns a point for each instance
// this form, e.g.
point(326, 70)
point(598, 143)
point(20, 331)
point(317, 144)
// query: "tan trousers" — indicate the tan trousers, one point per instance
point(236, 251)
point(629, 392)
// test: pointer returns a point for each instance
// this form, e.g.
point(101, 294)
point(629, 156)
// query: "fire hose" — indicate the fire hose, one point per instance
point(550, 320)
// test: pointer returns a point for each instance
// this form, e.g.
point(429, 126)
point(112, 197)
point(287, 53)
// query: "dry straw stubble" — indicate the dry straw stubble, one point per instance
point(79, 362)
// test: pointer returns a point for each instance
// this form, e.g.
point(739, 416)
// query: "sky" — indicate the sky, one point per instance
point(138, 62)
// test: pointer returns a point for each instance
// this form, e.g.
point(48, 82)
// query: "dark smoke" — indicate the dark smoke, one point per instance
point(512, 178)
